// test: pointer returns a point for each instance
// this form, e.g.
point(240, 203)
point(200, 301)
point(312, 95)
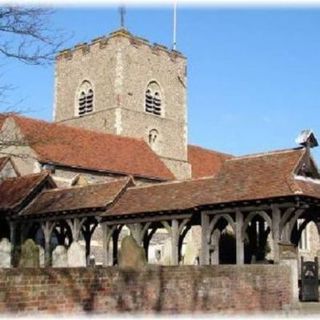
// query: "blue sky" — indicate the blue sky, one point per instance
point(253, 73)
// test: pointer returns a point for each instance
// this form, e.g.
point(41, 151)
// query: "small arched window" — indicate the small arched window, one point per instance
point(153, 139)
point(153, 136)
point(153, 101)
point(85, 98)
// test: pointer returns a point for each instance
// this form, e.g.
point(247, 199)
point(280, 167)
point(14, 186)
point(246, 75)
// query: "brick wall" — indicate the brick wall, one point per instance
point(184, 289)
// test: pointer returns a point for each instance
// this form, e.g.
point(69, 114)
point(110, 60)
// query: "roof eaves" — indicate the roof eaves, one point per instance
point(63, 165)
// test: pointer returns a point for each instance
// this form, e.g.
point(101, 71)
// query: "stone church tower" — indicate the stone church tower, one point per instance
point(123, 85)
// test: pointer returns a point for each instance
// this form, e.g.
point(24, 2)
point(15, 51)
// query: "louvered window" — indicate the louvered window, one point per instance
point(153, 99)
point(82, 104)
point(149, 101)
point(85, 100)
point(89, 101)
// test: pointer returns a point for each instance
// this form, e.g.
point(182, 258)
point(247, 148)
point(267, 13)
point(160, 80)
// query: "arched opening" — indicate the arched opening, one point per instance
point(222, 242)
point(4, 229)
point(256, 232)
point(62, 233)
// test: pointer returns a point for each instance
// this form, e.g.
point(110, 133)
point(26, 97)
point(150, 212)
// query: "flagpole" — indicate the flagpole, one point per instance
point(174, 25)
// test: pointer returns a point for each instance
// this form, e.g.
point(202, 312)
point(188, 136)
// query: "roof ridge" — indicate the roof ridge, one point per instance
point(73, 127)
point(41, 173)
point(171, 182)
point(266, 153)
point(124, 179)
point(210, 150)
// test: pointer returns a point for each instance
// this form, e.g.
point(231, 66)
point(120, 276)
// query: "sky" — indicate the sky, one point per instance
point(253, 72)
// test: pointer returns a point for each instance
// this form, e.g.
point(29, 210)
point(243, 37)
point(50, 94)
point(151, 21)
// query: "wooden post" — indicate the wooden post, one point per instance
point(47, 228)
point(75, 226)
point(204, 258)
point(276, 233)
point(146, 240)
point(136, 232)
point(107, 232)
point(215, 247)
point(239, 238)
point(175, 242)
point(115, 238)
point(13, 240)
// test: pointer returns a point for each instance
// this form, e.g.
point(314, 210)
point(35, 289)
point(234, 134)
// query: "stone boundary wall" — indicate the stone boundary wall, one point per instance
point(171, 289)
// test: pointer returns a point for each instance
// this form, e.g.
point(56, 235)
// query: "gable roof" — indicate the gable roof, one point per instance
point(246, 178)
point(205, 162)
point(14, 192)
point(3, 162)
point(95, 196)
point(80, 148)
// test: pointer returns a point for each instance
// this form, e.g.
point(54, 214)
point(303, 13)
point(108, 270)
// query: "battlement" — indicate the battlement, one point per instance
point(103, 41)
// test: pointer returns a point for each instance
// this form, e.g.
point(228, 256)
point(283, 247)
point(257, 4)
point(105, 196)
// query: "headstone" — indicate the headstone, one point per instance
point(288, 251)
point(29, 255)
point(167, 253)
point(76, 255)
point(131, 255)
point(5, 253)
point(191, 253)
point(60, 257)
point(41, 256)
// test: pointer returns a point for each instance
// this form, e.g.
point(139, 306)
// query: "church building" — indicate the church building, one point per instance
point(117, 155)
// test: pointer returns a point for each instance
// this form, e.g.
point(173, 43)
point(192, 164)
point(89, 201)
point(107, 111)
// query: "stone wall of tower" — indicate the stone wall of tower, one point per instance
point(119, 67)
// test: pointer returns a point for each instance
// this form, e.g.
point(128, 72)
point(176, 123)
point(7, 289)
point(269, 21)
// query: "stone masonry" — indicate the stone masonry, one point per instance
point(119, 68)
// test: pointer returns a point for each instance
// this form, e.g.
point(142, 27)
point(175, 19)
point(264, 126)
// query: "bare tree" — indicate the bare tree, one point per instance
point(26, 34)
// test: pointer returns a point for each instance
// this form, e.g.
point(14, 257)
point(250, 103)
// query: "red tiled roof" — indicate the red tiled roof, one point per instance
point(253, 177)
point(81, 148)
point(95, 196)
point(14, 191)
point(205, 162)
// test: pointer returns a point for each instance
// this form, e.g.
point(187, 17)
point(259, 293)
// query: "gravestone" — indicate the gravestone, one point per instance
point(29, 255)
point(167, 253)
point(191, 252)
point(41, 256)
point(5, 253)
point(131, 255)
point(60, 257)
point(76, 255)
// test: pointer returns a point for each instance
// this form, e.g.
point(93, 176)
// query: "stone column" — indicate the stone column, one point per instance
point(276, 233)
point(204, 258)
point(239, 237)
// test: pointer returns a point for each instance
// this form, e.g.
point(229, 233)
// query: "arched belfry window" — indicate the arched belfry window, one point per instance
point(85, 98)
point(153, 102)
